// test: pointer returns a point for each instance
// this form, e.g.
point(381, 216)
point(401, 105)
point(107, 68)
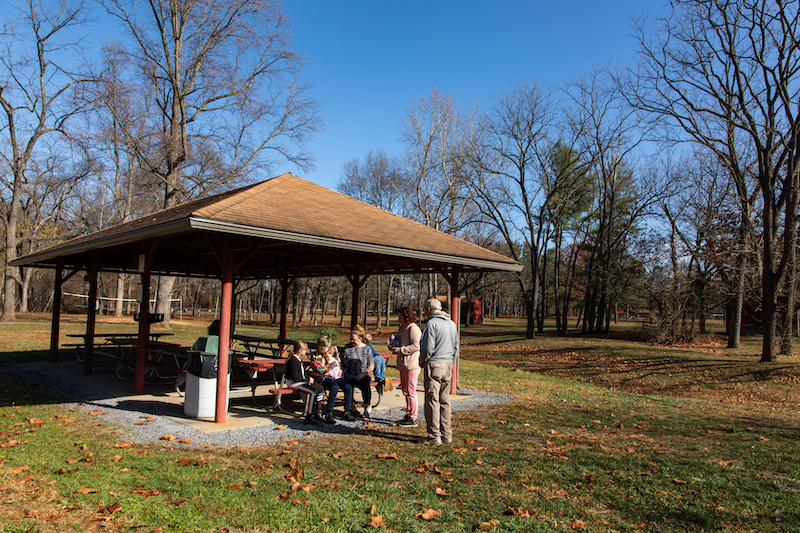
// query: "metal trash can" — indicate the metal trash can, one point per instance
point(200, 399)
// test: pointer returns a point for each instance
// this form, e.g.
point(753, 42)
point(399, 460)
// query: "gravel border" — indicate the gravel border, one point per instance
point(76, 395)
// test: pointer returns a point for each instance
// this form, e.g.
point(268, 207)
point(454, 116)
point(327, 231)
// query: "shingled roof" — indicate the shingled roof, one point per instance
point(285, 224)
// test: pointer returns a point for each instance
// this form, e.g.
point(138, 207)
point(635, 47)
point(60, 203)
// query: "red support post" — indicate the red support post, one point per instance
point(455, 309)
point(221, 410)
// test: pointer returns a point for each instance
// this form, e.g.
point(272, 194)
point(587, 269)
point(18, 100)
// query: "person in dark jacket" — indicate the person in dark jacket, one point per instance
point(296, 379)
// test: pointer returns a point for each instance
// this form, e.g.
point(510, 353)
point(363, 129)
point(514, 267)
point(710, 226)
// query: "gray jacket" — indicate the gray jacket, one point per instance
point(439, 343)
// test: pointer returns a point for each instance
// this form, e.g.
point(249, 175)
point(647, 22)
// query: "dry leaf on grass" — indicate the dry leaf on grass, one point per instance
point(578, 524)
point(20, 469)
point(84, 490)
point(148, 493)
point(518, 511)
point(428, 514)
point(234, 486)
point(387, 456)
point(167, 437)
point(376, 521)
point(487, 526)
point(185, 441)
point(123, 445)
point(441, 492)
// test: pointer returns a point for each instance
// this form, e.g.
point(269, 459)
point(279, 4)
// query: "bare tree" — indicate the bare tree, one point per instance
point(509, 185)
point(225, 94)
point(37, 40)
point(726, 75)
point(379, 180)
point(439, 140)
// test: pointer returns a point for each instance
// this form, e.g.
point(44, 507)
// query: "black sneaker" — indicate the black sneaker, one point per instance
point(355, 414)
point(408, 423)
point(329, 419)
point(379, 387)
point(348, 417)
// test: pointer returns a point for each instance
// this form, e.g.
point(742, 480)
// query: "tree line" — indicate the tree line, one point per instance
point(669, 183)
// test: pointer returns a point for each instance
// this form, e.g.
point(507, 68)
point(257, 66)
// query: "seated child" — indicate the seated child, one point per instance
point(327, 370)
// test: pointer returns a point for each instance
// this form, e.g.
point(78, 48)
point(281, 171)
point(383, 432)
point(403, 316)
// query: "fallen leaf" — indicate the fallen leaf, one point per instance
point(123, 445)
point(578, 524)
point(185, 441)
point(387, 456)
point(469, 440)
point(167, 437)
point(280, 427)
point(376, 521)
point(234, 486)
point(486, 526)
point(680, 481)
point(441, 492)
point(20, 469)
point(293, 443)
point(35, 421)
point(519, 511)
point(84, 490)
point(428, 514)
point(148, 493)
point(114, 508)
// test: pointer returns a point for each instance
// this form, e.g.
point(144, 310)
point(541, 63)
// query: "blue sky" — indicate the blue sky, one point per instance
point(367, 60)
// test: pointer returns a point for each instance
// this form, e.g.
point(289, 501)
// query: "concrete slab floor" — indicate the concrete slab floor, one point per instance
point(161, 398)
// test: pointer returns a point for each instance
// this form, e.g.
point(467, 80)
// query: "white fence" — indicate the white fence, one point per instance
point(105, 304)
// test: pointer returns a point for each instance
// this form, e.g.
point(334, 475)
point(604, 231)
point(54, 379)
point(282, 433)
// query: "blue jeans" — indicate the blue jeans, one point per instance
point(380, 367)
point(333, 388)
point(347, 386)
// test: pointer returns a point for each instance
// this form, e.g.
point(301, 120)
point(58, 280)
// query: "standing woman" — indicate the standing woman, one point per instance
point(296, 379)
point(407, 352)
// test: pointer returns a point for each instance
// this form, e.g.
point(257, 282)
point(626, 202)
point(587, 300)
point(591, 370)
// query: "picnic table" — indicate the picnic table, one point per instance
point(165, 360)
point(102, 339)
point(262, 346)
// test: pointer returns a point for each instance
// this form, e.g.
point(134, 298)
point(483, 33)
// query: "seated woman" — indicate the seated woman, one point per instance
point(296, 380)
point(357, 365)
point(326, 371)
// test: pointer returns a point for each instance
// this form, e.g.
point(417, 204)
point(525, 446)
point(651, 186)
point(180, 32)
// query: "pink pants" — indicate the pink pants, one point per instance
point(408, 384)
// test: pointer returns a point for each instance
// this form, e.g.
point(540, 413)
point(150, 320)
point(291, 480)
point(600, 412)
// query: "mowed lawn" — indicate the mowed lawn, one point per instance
point(599, 435)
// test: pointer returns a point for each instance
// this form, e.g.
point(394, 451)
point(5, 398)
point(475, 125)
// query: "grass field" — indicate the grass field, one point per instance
point(603, 434)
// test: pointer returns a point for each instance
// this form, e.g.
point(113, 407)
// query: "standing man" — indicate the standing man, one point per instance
point(438, 352)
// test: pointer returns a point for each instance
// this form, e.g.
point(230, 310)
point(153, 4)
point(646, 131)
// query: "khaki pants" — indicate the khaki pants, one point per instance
point(437, 400)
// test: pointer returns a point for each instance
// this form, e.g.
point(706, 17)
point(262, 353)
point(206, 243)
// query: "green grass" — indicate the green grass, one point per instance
point(568, 453)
